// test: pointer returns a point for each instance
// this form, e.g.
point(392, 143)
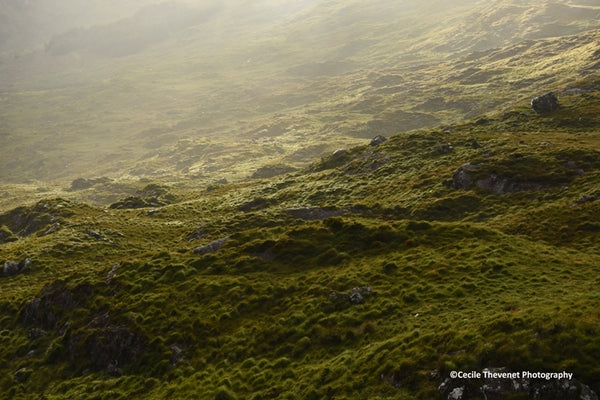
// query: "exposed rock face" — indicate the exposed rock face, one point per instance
point(497, 388)
point(545, 103)
point(212, 246)
point(464, 178)
point(377, 140)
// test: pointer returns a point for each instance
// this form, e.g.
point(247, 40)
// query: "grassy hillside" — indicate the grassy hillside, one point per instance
point(206, 215)
point(371, 274)
point(285, 90)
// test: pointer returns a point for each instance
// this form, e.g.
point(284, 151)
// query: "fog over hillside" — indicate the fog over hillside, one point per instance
point(114, 87)
point(299, 199)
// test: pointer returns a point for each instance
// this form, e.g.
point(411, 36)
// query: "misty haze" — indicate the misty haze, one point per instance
point(299, 199)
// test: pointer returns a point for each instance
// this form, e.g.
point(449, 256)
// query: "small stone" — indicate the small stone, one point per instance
point(377, 140)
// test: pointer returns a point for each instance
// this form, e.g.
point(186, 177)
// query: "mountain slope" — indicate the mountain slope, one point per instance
point(374, 273)
point(327, 72)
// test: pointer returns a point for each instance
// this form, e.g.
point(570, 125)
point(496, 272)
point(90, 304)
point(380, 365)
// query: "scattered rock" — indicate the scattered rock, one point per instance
point(12, 268)
point(212, 246)
point(222, 181)
point(545, 103)
point(377, 140)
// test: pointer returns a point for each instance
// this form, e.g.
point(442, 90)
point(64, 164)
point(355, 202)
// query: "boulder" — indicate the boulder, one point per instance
point(545, 103)
point(12, 268)
point(354, 296)
point(462, 177)
point(212, 246)
point(377, 140)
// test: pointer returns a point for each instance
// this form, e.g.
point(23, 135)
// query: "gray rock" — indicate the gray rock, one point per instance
point(377, 140)
point(339, 152)
point(212, 246)
point(354, 296)
point(462, 177)
point(12, 268)
point(545, 103)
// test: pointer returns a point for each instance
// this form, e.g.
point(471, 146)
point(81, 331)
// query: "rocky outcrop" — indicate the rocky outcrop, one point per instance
point(501, 383)
point(467, 176)
point(49, 308)
point(545, 103)
point(106, 348)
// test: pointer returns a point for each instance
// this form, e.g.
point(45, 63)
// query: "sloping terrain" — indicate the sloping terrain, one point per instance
point(371, 274)
point(321, 201)
point(232, 92)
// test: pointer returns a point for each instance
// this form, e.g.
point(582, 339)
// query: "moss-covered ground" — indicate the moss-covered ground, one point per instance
point(116, 303)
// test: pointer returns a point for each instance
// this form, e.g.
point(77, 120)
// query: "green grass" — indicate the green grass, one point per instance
point(460, 279)
point(117, 305)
